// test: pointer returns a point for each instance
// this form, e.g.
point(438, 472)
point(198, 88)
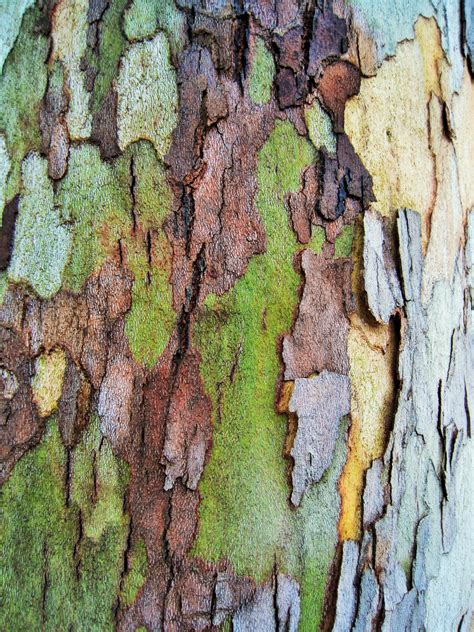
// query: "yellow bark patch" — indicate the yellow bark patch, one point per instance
point(388, 126)
point(372, 353)
point(48, 381)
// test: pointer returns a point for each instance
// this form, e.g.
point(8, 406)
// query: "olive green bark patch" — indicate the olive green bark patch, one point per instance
point(318, 237)
point(151, 319)
point(343, 244)
point(126, 200)
point(62, 553)
point(111, 47)
point(42, 238)
point(262, 72)
point(47, 382)
point(136, 576)
point(319, 126)
point(94, 196)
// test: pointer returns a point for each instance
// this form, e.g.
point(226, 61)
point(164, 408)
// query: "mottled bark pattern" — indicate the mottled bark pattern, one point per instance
point(236, 294)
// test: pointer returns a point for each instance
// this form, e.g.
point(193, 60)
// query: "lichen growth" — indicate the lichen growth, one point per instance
point(343, 243)
point(3, 285)
point(69, 34)
point(21, 91)
point(244, 512)
point(98, 199)
point(147, 95)
point(94, 196)
point(55, 573)
point(144, 17)
point(318, 237)
point(4, 170)
point(262, 72)
point(112, 44)
point(319, 126)
point(151, 319)
point(42, 237)
point(48, 381)
point(136, 575)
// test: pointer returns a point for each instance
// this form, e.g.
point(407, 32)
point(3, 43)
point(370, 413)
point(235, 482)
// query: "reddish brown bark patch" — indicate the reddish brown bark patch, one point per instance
point(319, 337)
point(340, 80)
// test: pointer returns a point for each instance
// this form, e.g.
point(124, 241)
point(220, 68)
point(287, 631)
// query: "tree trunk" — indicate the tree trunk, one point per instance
point(237, 255)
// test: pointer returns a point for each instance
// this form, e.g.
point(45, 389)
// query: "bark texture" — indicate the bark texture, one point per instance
point(236, 301)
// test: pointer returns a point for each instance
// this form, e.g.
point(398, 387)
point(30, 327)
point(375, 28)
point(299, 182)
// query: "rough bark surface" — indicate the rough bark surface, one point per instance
point(236, 298)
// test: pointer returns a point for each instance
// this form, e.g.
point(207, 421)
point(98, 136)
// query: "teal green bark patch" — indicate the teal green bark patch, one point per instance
point(144, 17)
point(262, 72)
point(55, 574)
point(42, 238)
point(245, 514)
point(319, 126)
point(22, 87)
point(391, 21)
point(136, 576)
point(343, 244)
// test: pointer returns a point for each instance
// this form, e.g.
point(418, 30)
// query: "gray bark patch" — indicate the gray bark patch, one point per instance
point(319, 403)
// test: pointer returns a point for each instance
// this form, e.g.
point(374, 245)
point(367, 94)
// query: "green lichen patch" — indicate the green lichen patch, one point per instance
point(262, 72)
point(147, 95)
point(127, 200)
point(318, 237)
point(244, 512)
point(62, 557)
point(3, 285)
point(4, 170)
point(151, 319)
point(94, 196)
point(136, 575)
point(319, 126)
point(22, 88)
point(69, 34)
point(47, 382)
point(144, 17)
point(112, 44)
point(343, 243)
point(42, 238)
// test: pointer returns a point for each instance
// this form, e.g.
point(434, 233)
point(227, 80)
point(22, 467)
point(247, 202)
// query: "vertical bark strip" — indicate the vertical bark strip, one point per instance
point(236, 294)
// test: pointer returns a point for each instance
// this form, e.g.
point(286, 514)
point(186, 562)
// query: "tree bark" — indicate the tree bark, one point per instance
point(236, 294)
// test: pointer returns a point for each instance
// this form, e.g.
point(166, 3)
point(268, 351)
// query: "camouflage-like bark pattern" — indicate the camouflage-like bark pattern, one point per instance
point(236, 293)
